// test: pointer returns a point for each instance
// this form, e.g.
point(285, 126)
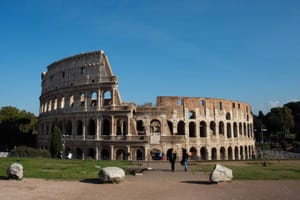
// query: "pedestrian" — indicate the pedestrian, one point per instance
point(172, 160)
point(184, 160)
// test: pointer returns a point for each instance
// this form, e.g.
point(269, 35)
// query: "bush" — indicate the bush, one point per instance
point(23, 151)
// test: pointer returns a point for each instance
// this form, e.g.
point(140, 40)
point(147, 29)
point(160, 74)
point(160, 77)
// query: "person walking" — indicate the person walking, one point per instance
point(172, 160)
point(184, 160)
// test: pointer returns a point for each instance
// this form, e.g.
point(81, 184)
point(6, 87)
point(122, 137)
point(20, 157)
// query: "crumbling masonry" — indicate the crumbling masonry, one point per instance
point(80, 95)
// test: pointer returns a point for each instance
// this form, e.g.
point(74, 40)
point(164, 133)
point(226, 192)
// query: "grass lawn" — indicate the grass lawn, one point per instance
point(88, 169)
point(255, 170)
point(60, 169)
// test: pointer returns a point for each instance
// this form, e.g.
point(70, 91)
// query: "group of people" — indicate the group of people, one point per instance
point(184, 160)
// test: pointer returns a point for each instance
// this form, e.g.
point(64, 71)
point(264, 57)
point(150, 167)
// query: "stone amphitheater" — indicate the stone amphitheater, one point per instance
point(80, 95)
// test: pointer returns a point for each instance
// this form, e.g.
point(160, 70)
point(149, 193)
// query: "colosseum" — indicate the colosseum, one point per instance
point(80, 95)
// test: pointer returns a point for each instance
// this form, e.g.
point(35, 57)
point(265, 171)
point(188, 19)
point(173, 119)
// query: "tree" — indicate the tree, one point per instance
point(280, 120)
point(55, 143)
point(16, 128)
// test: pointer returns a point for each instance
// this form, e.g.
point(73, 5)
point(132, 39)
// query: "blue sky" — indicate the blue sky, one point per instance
point(240, 50)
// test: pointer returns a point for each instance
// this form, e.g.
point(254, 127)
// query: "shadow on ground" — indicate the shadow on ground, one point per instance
point(199, 182)
point(92, 181)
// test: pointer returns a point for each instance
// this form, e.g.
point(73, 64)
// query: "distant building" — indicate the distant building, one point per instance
point(80, 95)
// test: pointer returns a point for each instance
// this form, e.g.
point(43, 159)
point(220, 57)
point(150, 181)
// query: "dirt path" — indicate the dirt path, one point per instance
point(159, 183)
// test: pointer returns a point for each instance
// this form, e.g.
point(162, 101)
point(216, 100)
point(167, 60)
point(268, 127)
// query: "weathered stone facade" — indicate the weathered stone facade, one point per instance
point(80, 95)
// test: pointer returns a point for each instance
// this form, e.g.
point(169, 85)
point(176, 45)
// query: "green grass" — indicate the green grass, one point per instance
point(254, 170)
point(88, 169)
point(60, 169)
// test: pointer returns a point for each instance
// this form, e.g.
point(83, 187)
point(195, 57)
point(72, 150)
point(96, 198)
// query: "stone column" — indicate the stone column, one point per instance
point(83, 129)
point(112, 157)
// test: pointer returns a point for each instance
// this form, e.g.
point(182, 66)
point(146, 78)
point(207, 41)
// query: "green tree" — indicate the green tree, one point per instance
point(16, 128)
point(55, 143)
point(280, 120)
point(295, 107)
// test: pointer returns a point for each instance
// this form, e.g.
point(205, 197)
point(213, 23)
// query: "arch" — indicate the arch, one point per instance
point(106, 127)
point(107, 98)
point(246, 153)
point(181, 128)
point(82, 99)
point(92, 153)
point(121, 154)
point(155, 126)
point(212, 127)
point(214, 153)
point(245, 129)
point(240, 128)
point(228, 116)
point(62, 102)
point(221, 128)
point(55, 104)
point(203, 130)
point(105, 155)
point(119, 128)
point(71, 101)
point(139, 154)
point(230, 153)
point(170, 125)
point(193, 151)
point(79, 127)
point(241, 153)
point(92, 127)
point(235, 130)
point(94, 99)
point(229, 135)
point(69, 128)
point(222, 153)
point(236, 153)
point(192, 129)
point(140, 127)
point(79, 153)
point(192, 115)
point(155, 154)
point(203, 153)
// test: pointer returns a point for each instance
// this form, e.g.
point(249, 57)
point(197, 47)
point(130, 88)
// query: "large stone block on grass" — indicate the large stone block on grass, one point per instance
point(15, 171)
point(220, 174)
point(111, 175)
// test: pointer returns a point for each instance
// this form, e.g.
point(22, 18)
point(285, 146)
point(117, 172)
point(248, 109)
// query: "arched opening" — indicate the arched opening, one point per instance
point(140, 127)
point(94, 99)
point(82, 100)
point(192, 129)
point(106, 127)
point(230, 153)
point(221, 128)
point(192, 115)
point(236, 153)
point(228, 116)
point(79, 127)
point(229, 135)
point(139, 155)
point(107, 98)
point(170, 125)
point(213, 127)
point(119, 127)
point(180, 128)
point(121, 154)
point(105, 154)
point(235, 130)
point(155, 126)
point(203, 129)
point(203, 153)
point(214, 154)
point(241, 153)
point(193, 151)
point(71, 101)
point(92, 127)
point(155, 154)
point(222, 153)
point(241, 128)
point(79, 153)
point(92, 153)
point(68, 128)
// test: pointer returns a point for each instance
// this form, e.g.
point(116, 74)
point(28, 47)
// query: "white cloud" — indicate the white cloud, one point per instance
point(274, 103)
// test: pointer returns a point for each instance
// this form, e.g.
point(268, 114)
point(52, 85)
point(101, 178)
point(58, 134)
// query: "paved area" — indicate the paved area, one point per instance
point(158, 183)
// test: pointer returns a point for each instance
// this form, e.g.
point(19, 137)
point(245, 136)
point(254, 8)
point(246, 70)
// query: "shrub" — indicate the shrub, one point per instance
point(23, 151)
